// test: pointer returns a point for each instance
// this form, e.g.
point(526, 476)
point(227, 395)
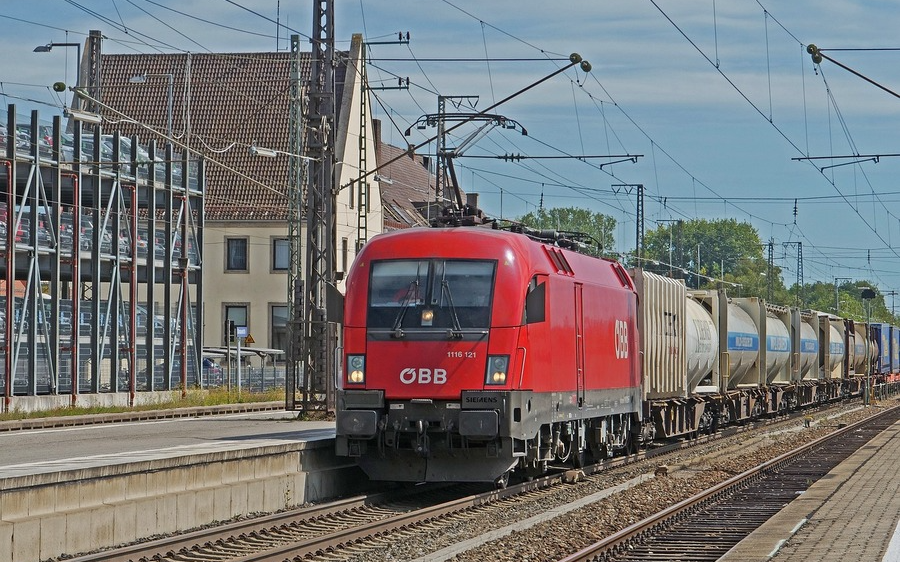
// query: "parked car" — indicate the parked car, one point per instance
point(67, 149)
point(212, 373)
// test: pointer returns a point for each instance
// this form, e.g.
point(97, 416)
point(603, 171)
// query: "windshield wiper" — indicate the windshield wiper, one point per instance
point(456, 332)
point(404, 306)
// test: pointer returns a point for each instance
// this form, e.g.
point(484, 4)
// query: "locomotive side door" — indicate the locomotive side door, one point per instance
point(579, 344)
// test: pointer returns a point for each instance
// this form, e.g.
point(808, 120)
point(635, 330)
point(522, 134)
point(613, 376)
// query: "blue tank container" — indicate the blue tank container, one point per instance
point(881, 336)
point(895, 349)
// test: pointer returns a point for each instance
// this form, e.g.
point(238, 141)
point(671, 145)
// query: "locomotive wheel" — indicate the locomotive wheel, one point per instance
point(537, 470)
point(631, 446)
point(580, 458)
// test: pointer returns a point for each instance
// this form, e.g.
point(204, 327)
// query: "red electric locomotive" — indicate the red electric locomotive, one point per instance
point(472, 352)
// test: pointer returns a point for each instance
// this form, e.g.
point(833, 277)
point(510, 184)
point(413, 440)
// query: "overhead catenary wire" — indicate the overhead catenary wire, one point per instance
point(756, 108)
point(654, 142)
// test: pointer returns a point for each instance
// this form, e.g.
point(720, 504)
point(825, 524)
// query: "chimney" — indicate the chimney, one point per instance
point(472, 200)
point(376, 131)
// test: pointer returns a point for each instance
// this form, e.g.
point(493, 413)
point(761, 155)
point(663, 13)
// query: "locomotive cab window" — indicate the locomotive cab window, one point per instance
point(536, 300)
point(431, 295)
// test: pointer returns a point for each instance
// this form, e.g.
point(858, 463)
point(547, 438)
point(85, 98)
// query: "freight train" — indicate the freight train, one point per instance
point(473, 353)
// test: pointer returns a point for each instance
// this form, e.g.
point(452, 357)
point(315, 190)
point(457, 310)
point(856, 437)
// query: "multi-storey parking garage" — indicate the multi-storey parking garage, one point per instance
point(101, 243)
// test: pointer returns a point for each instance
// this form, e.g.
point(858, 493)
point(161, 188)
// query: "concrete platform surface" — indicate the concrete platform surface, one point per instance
point(141, 437)
point(850, 515)
point(69, 490)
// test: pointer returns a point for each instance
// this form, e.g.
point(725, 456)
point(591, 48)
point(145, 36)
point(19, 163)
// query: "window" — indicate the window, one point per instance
point(426, 294)
point(281, 254)
point(279, 326)
point(344, 254)
point(237, 313)
point(236, 254)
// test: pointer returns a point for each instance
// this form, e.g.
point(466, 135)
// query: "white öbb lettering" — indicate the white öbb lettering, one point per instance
point(423, 376)
point(621, 339)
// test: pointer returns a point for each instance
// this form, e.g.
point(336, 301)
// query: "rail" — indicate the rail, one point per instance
point(623, 541)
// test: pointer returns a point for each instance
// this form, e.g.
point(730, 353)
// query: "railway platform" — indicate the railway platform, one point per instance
point(850, 514)
point(70, 488)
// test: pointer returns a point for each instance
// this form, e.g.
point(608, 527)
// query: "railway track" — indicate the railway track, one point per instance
point(339, 529)
point(314, 527)
point(706, 526)
point(336, 526)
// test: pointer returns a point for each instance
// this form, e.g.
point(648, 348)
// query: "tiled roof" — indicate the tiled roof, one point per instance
point(222, 104)
point(403, 184)
point(407, 186)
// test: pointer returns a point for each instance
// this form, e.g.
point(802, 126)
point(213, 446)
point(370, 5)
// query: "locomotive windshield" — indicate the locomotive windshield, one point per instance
point(431, 294)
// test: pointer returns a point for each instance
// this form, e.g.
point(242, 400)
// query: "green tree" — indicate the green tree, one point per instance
point(573, 219)
point(705, 253)
point(847, 301)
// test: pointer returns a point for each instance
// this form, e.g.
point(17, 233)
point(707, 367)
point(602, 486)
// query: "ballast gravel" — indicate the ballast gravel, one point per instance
point(688, 472)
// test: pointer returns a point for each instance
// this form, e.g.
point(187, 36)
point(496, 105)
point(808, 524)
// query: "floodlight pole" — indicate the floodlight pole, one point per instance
point(49, 47)
point(170, 91)
point(837, 302)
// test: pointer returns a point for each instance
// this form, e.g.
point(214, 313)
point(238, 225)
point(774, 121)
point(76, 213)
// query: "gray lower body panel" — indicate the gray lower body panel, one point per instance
point(476, 439)
point(404, 465)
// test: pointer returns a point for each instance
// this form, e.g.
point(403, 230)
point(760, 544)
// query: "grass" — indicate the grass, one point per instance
point(215, 397)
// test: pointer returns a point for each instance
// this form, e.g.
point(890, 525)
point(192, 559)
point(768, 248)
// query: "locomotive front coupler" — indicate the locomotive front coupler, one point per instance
point(422, 441)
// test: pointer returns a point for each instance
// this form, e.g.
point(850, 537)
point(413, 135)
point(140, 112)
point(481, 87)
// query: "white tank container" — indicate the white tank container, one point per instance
point(778, 346)
point(809, 350)
point(862, 350)
point(701, 343)
point(743, 345)
point(836, 351)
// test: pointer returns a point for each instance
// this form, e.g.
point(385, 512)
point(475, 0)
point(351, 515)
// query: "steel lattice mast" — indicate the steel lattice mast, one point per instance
point(298, 174)
point(320, 335)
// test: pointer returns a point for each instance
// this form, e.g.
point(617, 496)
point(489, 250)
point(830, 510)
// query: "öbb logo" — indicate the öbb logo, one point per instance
point(423, 376)
point(621, 339)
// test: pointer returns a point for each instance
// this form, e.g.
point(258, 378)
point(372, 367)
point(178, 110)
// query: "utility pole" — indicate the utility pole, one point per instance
point(837, 302)
point(892, 294)
point(639, 219)
point(673, 242)
point(639, 227)
point(770, 272)
point(698, 266)
point(362, 187)
point(447, 188)
point(444, 156)
point(799, 296)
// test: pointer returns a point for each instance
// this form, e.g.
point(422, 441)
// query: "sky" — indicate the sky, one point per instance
point(714, 107)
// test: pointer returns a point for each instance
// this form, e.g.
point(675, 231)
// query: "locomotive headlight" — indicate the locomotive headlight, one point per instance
point(427, 317)
point(356, 369)
point(497, 367)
